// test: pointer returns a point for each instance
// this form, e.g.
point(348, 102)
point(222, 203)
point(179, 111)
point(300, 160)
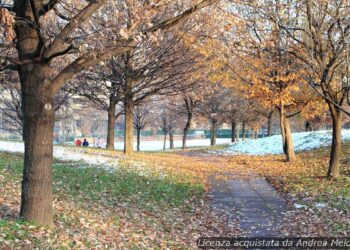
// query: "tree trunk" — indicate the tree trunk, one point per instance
point(187, 127)
point(171, 139)
point(269, 124)
point(129, 119)
point(289, 142)
point(213, 133)
point(38, 113)
point(287, 139)
point(308, 126)
point(164, 143)
point(233, 129)
point(138, 139)
point(243, 131)
point(334, 162)
point(237, 134)
point(111, 126)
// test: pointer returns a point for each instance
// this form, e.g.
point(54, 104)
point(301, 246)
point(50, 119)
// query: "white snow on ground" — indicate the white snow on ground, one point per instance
point(273, 145)
point(77, 154)
point(268, 145)
point(63, 153)
point(158, 145)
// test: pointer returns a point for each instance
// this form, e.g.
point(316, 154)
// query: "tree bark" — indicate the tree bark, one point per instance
point(233, 129)
point(308, 126)
point(187, 127)
point(129, 119)
point(38, 113)
point(171, 139)
point(111, 126)
point(334, 162)
point(213, 133)
point(269, 124)
point(164, 143)
point(138, 139)
point(243, 131)
point(287, 139)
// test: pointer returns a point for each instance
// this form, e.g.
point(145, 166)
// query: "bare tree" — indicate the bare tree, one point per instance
point(102, 88)
point(142, 118)
point(213, 108)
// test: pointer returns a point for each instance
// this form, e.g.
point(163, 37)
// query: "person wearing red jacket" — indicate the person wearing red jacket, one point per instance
point(78, 143)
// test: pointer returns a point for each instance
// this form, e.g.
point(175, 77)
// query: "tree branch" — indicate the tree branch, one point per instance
point(47, 7)
point(59, 43)
point(92, 58)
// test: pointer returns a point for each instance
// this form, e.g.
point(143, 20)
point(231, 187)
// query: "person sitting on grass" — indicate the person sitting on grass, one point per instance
point(85, 143)
point(78, 143)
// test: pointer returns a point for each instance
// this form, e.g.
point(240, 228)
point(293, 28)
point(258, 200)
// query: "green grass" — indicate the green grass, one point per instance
point(107, 193)
point(90, 184)
point(121, 185)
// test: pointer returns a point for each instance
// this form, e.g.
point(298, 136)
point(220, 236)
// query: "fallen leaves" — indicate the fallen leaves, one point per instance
point(159, 203)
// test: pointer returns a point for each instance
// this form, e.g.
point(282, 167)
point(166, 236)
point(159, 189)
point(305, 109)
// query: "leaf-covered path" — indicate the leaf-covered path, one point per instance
point(251, 201)
point(246, 199)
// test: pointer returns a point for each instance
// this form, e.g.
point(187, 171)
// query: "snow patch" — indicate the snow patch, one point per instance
point(273, 145)
point(64, 153)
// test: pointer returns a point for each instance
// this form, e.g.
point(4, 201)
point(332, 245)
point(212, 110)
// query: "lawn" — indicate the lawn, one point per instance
point(160, 200)
point(98, 208)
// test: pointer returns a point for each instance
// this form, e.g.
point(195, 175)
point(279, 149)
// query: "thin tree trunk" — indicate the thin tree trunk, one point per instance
point(129, 119)
point(233, 129)
point(243, 131)
point(184, 138)
point(138, 138)
point(283, 131)
point(237, 134)
point(187, 127)
point(171, 139)
point(289, 142)
point(164, 143)
point(38, 112)
point(111, 126)
point(269, 124)
point(334, 162)
point(308, 126)
point(213, 133)
point(287, 139)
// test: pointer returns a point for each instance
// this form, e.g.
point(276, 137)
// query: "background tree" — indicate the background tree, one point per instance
point(142, 118)
point(102, 88)
point(213, 108)
point(321, 32)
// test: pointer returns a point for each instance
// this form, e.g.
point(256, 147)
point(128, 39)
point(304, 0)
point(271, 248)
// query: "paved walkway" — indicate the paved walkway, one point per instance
point(246, 199)
point(251, 201)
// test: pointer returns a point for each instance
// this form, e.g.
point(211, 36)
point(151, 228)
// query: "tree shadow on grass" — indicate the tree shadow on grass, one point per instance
point(113, 187)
